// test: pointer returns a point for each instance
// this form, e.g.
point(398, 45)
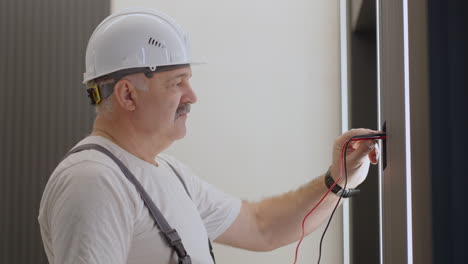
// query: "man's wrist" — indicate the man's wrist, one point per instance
point(337, 189)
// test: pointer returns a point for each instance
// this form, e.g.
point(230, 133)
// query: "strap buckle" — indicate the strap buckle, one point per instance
point(176, 243)
point(185, 260)
point(173, 237)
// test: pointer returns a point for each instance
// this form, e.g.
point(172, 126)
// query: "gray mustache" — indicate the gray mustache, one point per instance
point(183, 109)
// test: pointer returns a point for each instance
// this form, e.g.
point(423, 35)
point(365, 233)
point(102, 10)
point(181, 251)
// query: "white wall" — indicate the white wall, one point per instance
point(269, 102)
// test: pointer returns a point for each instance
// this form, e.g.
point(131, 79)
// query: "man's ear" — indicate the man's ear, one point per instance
point(125, 94)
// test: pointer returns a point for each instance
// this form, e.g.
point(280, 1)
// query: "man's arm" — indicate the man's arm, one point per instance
point(276, 221)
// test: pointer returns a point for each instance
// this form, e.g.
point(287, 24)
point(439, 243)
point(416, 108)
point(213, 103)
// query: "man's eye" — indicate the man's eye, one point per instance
point(176, 83)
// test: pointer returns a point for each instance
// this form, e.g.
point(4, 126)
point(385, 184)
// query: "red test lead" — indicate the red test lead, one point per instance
point(342, 169)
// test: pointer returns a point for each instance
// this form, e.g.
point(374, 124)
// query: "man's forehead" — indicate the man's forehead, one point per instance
point(176, 73)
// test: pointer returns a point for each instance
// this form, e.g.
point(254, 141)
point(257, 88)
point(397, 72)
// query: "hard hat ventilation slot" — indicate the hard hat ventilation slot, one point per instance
point(155, 43)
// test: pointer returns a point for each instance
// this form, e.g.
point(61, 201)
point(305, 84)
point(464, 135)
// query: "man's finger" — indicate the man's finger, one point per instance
point(354, 132)
point(362, 151)
point(374, 155)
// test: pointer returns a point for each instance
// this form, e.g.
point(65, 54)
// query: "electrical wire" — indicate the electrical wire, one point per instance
point(343, 167)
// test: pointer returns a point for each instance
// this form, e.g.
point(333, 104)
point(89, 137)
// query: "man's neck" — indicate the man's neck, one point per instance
point(127, 137)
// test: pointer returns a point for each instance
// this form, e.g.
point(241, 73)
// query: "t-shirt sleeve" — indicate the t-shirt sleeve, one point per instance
point(91, 218)
point(217, 209)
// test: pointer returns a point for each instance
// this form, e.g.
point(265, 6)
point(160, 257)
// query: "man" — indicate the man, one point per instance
point(138, 70)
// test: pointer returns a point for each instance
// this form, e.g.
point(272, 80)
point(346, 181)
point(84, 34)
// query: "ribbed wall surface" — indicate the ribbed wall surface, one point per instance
point(43, 108)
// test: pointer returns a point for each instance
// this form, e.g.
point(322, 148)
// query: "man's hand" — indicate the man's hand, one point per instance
point(276, 221)
point(358, 157)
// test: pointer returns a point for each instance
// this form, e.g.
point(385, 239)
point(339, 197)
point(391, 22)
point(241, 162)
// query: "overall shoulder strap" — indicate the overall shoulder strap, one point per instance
point(178, 176)
point(171, 235)
point(188, 193)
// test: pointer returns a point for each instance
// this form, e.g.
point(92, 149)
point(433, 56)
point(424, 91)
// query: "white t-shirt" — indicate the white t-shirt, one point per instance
point(91, 213)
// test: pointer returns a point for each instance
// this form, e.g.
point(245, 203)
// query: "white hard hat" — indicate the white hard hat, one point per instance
point(136, 38)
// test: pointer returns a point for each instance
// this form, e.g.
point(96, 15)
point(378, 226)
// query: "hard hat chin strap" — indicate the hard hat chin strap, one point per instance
point(99, 92)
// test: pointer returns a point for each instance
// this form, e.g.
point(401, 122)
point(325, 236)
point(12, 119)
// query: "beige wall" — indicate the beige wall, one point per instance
point(269, 103)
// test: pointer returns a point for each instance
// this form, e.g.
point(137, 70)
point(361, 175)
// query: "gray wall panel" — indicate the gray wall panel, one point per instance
point(406, 197)
point(420, 132)
point(394, 176)
point(363, 107)
point(44, 110)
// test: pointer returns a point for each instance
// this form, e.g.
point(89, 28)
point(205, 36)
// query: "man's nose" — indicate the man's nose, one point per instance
point(191, 96)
